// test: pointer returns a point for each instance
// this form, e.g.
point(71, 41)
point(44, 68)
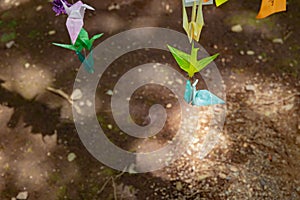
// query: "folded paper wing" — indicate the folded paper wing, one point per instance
point(206, 98)
point(194, 27)
point(269, 7)
point(83, 39)
point(82, 42)
point(75, 18)
point(200, 97)
point(188, 94)
point(189, 62)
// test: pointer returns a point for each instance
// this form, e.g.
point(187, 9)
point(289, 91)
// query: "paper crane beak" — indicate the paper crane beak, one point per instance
point(83, 8)
point(88, 7)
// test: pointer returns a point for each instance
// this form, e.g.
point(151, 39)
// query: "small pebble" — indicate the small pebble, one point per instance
point(288, 107)
point(169, 105)
point(22, 195)
point(89, 103)
point(76, 95)
point(109, 126)
point(233, 168)
point(71, 157)
point(222, 175)
point(39, 8)
point(179, 81)
point(250, 87)
point(277, 41)
point(9, 44)
point(27, 65)
point(237, 28)
point(202, 177)
point(52, 32)
point(250, 53)
point(110, 92)
point(178, 186)
point(114, 7)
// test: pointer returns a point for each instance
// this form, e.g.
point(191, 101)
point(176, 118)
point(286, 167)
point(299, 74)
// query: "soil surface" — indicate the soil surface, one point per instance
point(257, 156)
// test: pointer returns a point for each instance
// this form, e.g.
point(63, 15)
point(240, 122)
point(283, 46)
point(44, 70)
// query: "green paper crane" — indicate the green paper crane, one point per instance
point(188, 62)
point(82, 42)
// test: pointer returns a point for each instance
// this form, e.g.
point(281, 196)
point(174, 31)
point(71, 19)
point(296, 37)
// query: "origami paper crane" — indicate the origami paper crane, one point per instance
point(75, 18)
point(188, 62)
point(82, 42)
point(193, 28)
point(208, 2)
point(189, 3)
point(87, 62)
point(269, 7)
point(58, 7)
point(200, 97)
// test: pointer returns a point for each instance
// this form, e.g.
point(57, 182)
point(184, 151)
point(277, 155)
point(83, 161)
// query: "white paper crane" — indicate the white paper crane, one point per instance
point(75, 18)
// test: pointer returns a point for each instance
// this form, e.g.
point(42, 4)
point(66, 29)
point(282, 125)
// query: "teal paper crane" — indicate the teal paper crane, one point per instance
point(200, 97)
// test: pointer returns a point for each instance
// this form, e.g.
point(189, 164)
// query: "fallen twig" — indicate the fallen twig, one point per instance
point(112, 179)
point(103, 186)
point(60, 93)
point(280, 100)
point(115, 189)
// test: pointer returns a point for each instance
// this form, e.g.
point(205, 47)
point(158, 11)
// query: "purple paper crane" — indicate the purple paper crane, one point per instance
point(75, 19)
point(58, 7)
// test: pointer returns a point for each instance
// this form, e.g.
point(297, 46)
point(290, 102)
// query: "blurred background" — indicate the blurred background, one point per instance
point(42, 157)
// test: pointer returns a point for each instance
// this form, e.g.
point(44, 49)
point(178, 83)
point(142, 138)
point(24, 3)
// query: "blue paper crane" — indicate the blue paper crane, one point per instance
point(200, 97)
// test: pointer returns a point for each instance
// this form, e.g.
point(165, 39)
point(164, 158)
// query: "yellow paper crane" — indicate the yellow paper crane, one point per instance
point(269, 7)
point(193, 28)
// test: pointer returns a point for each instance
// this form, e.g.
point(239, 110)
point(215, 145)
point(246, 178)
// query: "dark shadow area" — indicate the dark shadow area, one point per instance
point(38, 115)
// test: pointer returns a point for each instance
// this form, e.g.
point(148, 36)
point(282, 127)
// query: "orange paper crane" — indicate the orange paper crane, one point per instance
point(269, 7)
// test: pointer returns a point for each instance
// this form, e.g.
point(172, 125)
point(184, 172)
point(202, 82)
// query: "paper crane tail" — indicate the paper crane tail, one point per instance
point(87, 62)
